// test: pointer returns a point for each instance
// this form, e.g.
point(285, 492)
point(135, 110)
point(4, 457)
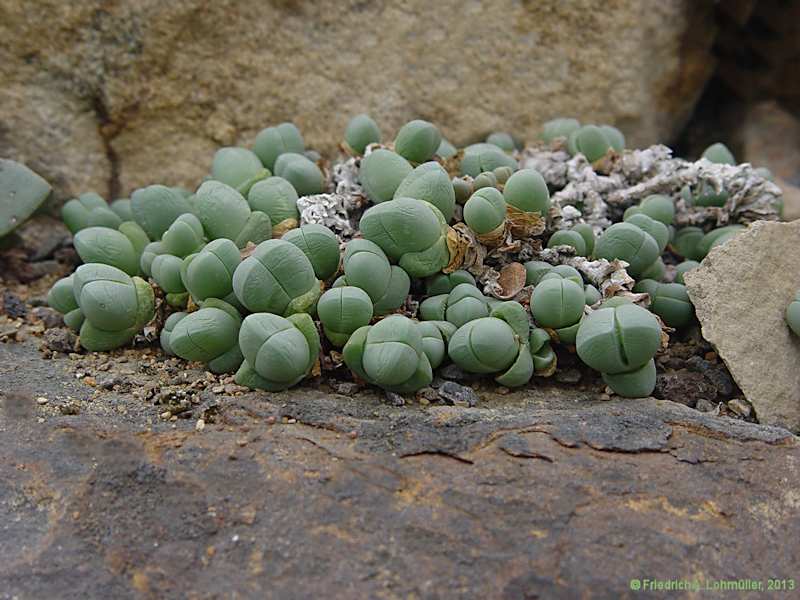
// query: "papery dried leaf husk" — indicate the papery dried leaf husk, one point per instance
point(284, 226)
point(524, 224)
point(550, 370)
point(511, 281)
point(465, 250)
point(316, 370)
point(495, 237)
point(608, 162)
point(247, 250)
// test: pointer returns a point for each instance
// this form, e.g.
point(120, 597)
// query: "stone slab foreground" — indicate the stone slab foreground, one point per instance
point(537, 494)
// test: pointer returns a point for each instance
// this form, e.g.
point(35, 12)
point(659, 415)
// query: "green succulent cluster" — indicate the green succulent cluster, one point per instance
point(593, 141)
point(250, 288)
point(497, 344)
point(462, 304)
point(411, 232)
point(620, 342)
point(105, 305)
point(669, 301)
point(366, 266)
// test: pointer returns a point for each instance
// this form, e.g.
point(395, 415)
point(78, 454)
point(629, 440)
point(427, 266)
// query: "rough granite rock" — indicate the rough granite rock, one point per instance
point(123, 94)
point(740, 293)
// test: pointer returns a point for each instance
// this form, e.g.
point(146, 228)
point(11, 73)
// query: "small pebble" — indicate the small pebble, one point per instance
point(200, 425)
point(41, 400)
point(394, 399)
point(457, 394)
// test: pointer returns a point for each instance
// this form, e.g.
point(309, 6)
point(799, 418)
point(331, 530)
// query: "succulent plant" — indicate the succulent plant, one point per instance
point(107, 246)
point(115, 306)
point(792, 314)
point(446, 149)
point(278, 352)
point(166, 331)
point(209, 335)
point(658, 231)
point(655, 271)
point(544, 358)
point(587, 233)
point(683, 268)
point(367, 267)
point(535, 270)
point(277, 198)
point(21, 192)
point(273, 141)
point(563, 272)
point(463, 304)
point(304, 175)
point(484, 180)
point(503, 140)
point(342, 310)
point(659, 207)
point(630, 243)
point(686, 242)
point(435, 337)
point(88, 210)
point(225, 213)
point(361, 131)
point(485, 211)
point(717, 237)
point(237, 167)
point(719, 154)
point(276, 278)
point(485, 157)
point(527, 190)
point(620, 340)
point(417, 141)
point(591, 141)
point(495, 344)
point(669, 301)
point(443, 283)
point(320, 245)
point(591, 294)
point(411, 232)
point(122, 208)
point(149, 253)
point(209, 273)
point(567, 237)
point(390, 355)
point(185, 236)
point(431, 183)
point(614, 137)
point(166, 272)
point(463, 189)
point(559, 128)
point(156, 207)
point(381, 173)
point(503, 174)
point(558, 304)
point(634, 384)
point(61, 298)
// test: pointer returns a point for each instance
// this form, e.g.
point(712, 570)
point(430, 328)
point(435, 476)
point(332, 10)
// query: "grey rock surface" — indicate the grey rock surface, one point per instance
point(740, 293)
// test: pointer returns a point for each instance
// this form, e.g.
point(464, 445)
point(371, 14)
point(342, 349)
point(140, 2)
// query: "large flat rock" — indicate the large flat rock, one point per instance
point(129, 93)
point(740, 294)
point(538, 494)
